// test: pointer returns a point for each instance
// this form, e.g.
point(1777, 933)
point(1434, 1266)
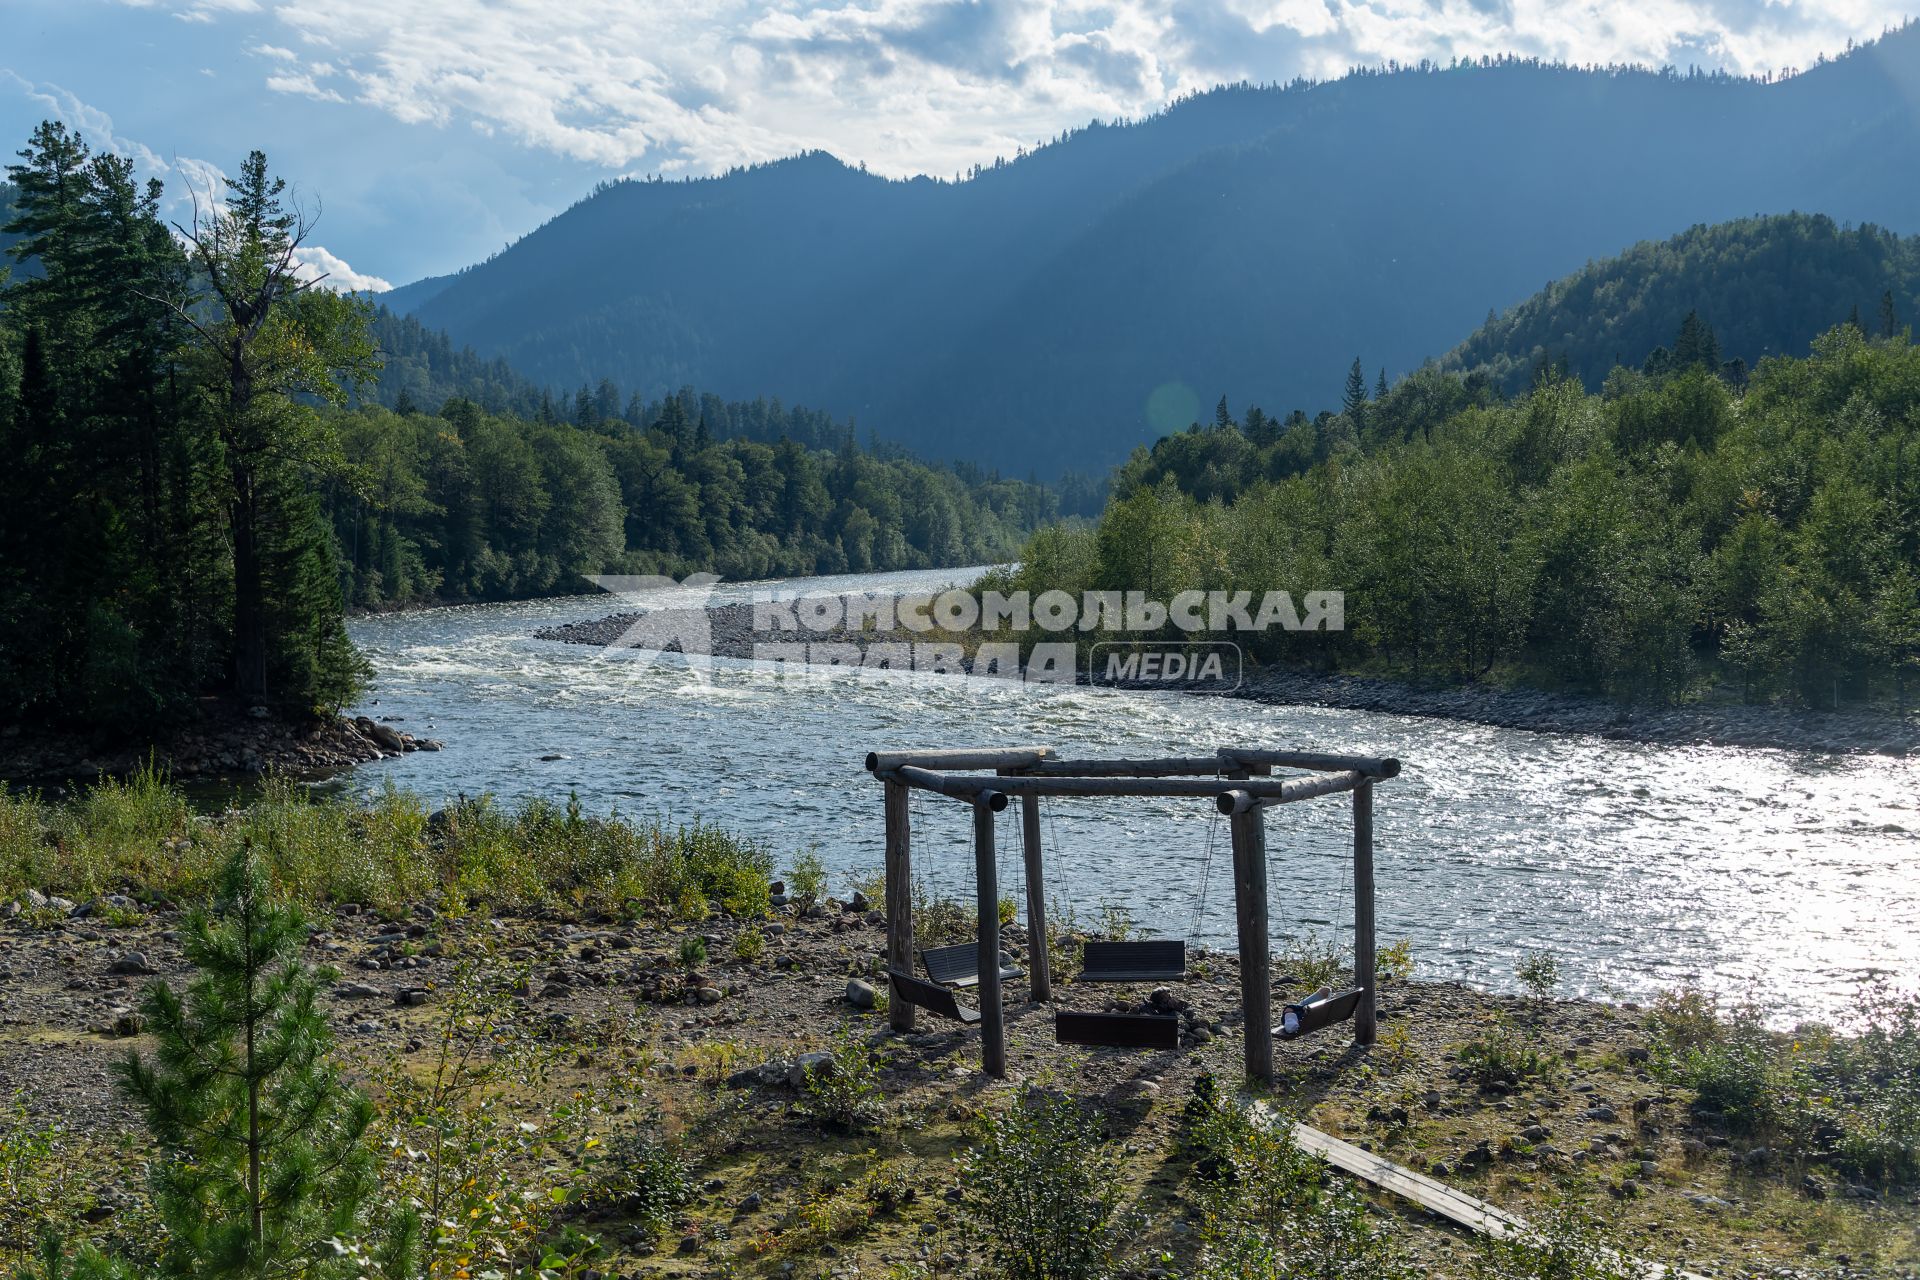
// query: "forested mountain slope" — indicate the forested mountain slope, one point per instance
point(1766, 286)
point(1053, 310)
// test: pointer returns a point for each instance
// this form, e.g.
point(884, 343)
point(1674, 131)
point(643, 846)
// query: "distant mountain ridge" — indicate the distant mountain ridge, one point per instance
point(1767, 286)
point(1054, 310)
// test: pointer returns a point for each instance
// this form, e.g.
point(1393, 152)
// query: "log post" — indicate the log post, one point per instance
point(899, 866)
point(1365, 1020)
point(993, 1014)
point(1248, 830)
point(1038, 961)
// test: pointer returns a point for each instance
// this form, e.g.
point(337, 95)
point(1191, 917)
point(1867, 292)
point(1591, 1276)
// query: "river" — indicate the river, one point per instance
point(1779, 876)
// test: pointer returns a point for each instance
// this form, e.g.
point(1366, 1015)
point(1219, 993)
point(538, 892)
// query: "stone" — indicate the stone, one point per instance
point(819, 1063)
point(708, 995)
point(133, 963)
point(356, 991)
point(408, 997)
point(860, 994)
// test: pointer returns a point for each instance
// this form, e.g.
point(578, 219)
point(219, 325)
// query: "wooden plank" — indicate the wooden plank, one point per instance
point(1451, 1203)
point(1457, 1206)
point(899, 867)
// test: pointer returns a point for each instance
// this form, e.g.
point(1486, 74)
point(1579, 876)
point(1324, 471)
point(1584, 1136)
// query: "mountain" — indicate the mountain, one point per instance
point(1054, 310)
point(1766, 286)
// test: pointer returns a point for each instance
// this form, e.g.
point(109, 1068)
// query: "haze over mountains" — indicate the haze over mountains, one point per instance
point(1055, 310)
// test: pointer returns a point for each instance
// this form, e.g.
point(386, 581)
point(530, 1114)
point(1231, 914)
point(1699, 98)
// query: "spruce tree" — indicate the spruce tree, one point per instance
point(1380, 385)
point(1889, 318)
point(1696, 344)
point(263, 1167)
point(1354, 401)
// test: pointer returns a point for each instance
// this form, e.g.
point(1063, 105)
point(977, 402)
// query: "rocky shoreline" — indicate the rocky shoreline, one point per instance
point(725, 1042)
point(1698, 724)
point(222, 742)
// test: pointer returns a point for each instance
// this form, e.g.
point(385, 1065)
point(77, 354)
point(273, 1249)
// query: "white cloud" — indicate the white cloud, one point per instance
point(933, 86)
point(312, 262)
point(185, 176)
point(303, 84)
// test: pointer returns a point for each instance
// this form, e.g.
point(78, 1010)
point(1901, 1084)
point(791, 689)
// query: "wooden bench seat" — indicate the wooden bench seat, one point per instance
point(1117, 1030)
point(1150, 960)
point(931, 997)
point(959, 965)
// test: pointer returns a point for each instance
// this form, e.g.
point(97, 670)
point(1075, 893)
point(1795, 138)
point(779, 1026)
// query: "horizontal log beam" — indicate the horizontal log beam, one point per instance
point(1243, 797)
point(964, 788)
point(1372, 766)
point(1168, 767)
point(959, 788)
point(959, 758)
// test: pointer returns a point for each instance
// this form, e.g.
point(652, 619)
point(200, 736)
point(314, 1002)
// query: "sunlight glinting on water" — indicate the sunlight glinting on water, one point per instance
point(1782, 876)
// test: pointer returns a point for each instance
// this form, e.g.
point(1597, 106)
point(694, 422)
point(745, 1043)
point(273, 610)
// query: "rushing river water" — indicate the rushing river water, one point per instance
point(1771, 874)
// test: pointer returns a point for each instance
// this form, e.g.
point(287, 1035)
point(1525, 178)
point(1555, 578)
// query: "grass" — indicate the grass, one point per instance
point(387, 853)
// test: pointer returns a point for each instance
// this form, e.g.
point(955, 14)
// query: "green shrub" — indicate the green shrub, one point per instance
point(1272, 1211)
point(808, 879)
point(1507, 1054)
point(1539, 973)
point(693, 952)
point(1043, 1188)
point(1564, 1246)
point(749, 944)
point(1394, 962)
point(1312, 961)
point(941, 921)
point(846, 1095)
point(1684, 1019)
point(384, 852)
point(644, 1180)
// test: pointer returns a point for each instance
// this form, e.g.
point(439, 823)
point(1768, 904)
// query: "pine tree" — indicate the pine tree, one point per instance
point(1696, 344)
point(1222, 416)
point(1380, 385)
point(1889, 318)
point(262, 1155)
point(1354, 402)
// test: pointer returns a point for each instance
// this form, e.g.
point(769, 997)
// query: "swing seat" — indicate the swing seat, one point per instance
point(959, 965)
point(932, 998)
point(1117, 1030)
point(1321, 1013)
point(1154, 960)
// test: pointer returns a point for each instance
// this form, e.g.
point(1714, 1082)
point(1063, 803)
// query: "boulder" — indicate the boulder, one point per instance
point(860, 994)
point(818, 1063)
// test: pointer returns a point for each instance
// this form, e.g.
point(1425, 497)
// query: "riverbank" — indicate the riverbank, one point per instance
point(701, 1031)
point(223, 741)
point(674, 996)
point(733, 635)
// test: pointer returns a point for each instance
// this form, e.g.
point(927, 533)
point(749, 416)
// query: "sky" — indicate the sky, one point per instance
point(428, 134)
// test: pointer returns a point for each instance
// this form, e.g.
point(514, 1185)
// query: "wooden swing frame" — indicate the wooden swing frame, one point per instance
point(1239, 783)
